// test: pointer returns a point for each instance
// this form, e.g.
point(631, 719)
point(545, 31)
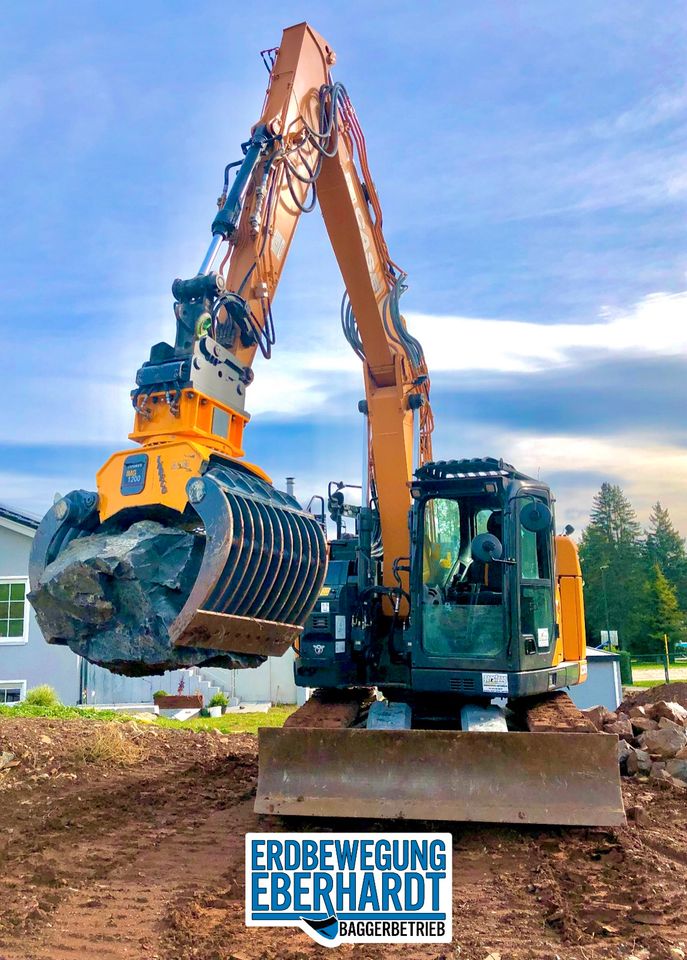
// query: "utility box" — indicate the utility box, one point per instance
point(603, 686)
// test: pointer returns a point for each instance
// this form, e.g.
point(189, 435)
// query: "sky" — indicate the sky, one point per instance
point(531, 159)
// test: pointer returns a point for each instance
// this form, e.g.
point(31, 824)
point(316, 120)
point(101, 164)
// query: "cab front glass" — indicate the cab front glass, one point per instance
point(463, 607)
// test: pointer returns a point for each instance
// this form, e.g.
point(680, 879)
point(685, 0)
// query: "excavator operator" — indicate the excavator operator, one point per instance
point(488, 577)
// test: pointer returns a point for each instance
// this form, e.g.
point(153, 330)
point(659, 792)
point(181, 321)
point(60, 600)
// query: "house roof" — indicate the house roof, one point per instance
point(18, 521)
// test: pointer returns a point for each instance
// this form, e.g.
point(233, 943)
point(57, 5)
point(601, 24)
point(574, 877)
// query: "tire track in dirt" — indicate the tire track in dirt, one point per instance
point(91, 863)
point(124, 917)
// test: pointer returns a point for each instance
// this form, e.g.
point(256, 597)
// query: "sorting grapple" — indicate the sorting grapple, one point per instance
point(228, 582)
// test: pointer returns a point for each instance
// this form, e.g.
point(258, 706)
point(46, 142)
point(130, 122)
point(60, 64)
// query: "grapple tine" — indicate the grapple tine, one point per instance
point(260, 560)
point(214, 510)
point(539, 778)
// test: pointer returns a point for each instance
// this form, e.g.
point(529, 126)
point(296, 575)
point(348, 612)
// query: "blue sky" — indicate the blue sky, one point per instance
point(532, 163)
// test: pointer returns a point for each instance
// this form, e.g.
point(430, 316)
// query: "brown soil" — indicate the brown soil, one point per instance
point(142, 857)
point(670, 692)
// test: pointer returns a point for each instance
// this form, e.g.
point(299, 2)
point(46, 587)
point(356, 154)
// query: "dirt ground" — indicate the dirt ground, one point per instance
point(145, 860)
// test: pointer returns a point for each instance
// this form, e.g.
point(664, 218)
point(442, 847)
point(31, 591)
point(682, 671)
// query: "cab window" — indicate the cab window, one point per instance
point(462, 597)
point(536, 587)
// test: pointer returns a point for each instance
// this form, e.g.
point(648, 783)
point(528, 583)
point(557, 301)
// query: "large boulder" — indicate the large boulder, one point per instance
point(664, 743)
point(669, 711)
point(112, 596)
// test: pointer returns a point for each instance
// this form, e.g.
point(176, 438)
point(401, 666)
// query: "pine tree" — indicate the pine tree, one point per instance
point(666, 547)
point(614, 568)
point(613, 516)
point(663, 616)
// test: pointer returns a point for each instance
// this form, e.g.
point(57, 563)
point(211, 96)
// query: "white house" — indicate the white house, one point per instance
point(26, 660)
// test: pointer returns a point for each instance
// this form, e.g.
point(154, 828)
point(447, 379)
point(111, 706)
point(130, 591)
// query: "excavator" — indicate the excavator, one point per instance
point(439, 637)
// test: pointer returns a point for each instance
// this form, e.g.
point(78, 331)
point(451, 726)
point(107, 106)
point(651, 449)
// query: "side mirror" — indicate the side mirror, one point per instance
point(486, 548)
point(536, 516)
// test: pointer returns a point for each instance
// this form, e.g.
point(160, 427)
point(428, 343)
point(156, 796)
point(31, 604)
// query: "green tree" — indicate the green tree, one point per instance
point(662, 615)
point(613, 558)
point(666, 548)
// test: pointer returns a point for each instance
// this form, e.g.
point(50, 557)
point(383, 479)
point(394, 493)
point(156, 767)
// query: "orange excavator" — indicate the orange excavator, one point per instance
point(440, 636)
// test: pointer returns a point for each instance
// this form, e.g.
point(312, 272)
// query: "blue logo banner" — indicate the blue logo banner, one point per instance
point(351, 887)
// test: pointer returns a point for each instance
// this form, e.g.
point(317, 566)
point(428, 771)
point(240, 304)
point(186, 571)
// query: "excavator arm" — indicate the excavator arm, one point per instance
point(311, 139)
point(241, 564)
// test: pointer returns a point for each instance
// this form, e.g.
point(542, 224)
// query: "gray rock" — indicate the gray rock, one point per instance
point(638, 761)
point(678, 769)
point(111, 598)
point(660, 773)
point(624, 752)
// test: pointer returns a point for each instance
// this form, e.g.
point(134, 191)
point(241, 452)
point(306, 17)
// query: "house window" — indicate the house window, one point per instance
point(14, 612)
point(12, 691)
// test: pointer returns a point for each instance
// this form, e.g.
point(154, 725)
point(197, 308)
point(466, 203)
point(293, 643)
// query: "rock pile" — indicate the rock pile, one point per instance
point(652, 738)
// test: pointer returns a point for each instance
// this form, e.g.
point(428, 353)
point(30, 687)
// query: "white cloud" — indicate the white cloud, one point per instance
point(659, 107)
point(647, 471)
point(89, 401)
point(655, 326)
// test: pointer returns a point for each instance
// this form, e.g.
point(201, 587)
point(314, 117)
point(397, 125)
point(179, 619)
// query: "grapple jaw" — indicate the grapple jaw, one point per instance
point(230, 583)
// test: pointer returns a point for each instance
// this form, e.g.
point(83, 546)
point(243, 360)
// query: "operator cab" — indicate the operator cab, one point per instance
point(484, 572)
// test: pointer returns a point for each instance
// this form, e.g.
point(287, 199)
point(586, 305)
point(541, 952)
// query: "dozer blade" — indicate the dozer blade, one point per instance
point(569, 779)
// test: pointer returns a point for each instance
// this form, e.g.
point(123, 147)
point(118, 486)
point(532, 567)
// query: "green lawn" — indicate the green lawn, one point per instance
point(229, 723)
point(232, 722)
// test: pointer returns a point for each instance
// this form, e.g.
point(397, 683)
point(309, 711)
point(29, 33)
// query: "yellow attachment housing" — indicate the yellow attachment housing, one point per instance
point(196, 416)
point(176, 446)
point(155, 475)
